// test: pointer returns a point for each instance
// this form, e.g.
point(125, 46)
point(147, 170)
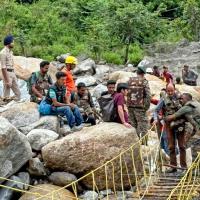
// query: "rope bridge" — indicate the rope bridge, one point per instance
point(189, 186)
point(135, 170)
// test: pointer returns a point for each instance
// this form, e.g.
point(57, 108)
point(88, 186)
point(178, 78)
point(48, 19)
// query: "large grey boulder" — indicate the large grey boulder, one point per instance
point(97, 91)
point(83, 151)
point(88, 80)
point(45, 122)
point(41, 137)
point(15, 149)
point(85, 67)
point(62, 178)
point(22, 114)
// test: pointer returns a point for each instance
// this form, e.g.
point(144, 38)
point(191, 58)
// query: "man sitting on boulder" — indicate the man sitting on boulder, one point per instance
point(120, 105)
point(110, 87)
point(40, 82)
point(55, 103)
point(189, 76)
point(83, 99)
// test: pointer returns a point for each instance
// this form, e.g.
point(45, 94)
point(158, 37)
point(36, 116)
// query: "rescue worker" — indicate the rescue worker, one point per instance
point(40, 83)
point(55, 103)
point(7, 68)
point(111, 88)
point(176, 130)
point(70, 64)
point(190, 111)
point(138, 101)
point(189, 76)
point(83, 99)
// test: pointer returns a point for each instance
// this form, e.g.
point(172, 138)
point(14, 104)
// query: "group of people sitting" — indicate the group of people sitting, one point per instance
point(62, 97)
point(189, 76)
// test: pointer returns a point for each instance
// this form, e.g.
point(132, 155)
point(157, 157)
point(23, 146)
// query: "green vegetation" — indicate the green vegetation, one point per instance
point(113, 30)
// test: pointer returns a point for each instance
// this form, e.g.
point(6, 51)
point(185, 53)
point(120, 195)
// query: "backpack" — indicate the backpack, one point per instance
point(107, 106)
point(135, 97)
point(28, 82)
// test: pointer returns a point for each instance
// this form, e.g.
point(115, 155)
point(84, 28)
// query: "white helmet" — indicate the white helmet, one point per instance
point(149, 70)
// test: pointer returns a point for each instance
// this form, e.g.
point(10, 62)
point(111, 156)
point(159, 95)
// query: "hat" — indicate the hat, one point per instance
point(141, 69)
point(8, 40)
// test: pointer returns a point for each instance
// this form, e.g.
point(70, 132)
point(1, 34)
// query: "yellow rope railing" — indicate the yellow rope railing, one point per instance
point(189, 185)
point(129, 176)
point(134, 167)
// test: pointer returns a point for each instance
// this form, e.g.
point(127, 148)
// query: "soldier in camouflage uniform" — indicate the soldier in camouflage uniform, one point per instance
point(83, 99)
point(138, 100)
point(176, 130)
point(40, 82)
point(189, 111)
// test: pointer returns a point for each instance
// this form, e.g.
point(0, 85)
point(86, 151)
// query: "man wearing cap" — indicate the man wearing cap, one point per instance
point(138, 100)
point(7, 67)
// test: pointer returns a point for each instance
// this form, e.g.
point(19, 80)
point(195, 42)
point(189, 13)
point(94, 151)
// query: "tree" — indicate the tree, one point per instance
point(191, 16)
point(130, 22)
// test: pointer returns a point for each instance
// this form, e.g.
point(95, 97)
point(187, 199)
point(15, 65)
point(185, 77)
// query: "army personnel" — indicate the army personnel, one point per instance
point(190, 111)
point(176, 130)
point(83, 99)
point(7, 67)
point(40, 82)
point(138, 101)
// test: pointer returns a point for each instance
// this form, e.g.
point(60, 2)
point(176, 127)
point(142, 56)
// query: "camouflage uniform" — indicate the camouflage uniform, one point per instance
point(190, 111)
point(7, 62)
point(138, 116)
point(86, 106)
point(175, 129)
point(42, 84)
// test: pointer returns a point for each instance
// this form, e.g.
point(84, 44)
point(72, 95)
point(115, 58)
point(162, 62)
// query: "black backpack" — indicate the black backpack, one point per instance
point(108, 109)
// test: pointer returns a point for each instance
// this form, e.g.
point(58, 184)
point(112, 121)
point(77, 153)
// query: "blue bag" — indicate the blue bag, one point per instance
point(45, 108)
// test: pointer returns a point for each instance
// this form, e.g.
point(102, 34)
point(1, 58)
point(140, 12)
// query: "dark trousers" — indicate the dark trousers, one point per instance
point(180, 137)
point(90, 119)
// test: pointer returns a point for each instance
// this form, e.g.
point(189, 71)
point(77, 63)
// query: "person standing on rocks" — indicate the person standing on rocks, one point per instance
point(189, 76)
point(138, 100)
point(166, 75)
point(176, 130)
point(7, 68)
point(120, 105)
point(40, 82)
point(111, 88)
point(55, 103)
point(71, 63)
point(83, 99)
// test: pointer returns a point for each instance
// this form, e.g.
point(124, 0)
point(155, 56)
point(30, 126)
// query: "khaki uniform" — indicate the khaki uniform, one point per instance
point(138, 116)
point(7, 62)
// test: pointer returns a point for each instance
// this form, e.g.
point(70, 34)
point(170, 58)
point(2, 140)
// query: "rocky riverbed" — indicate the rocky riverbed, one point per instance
point(35, 151)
